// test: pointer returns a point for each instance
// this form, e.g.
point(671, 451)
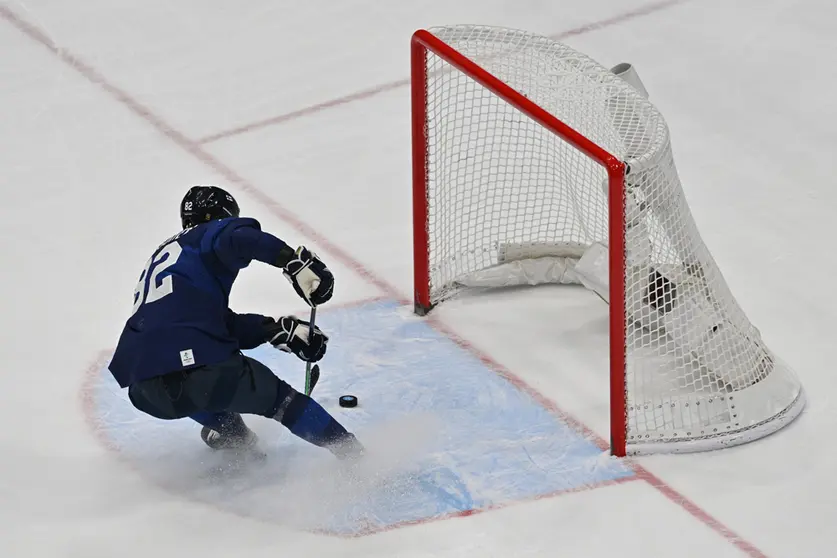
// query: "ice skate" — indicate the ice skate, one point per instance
point(233, 435)
point(348, 449)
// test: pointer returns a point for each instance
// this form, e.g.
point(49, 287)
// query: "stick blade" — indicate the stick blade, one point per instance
point(311, 379)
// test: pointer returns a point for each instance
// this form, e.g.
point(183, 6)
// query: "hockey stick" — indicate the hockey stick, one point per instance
point(312, 373)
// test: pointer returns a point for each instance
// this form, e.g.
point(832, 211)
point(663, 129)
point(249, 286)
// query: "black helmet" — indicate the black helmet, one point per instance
point(202, 204)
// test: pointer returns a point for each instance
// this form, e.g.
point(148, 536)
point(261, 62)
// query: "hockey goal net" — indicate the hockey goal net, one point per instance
point(532, 163)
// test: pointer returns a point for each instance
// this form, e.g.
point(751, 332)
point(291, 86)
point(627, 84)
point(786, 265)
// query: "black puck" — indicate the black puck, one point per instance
point(348, 401)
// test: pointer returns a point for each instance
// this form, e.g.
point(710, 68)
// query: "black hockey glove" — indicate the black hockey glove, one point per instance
point(309, 276)
point(290, 334)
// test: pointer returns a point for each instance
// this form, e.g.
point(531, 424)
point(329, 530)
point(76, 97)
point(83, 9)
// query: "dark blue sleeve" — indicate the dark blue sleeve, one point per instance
point(247, 328)
point(242, 241)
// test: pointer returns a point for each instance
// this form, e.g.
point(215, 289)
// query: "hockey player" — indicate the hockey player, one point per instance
point(179, 354)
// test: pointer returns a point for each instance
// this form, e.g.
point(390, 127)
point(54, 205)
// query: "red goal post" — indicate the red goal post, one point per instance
point(424, 41)
point(532, 164)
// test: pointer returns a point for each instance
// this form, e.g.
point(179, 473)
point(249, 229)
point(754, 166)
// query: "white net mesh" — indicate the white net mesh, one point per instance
point(508, 199)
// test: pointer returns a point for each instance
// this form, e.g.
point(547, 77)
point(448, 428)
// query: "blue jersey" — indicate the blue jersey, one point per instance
point(181, 317)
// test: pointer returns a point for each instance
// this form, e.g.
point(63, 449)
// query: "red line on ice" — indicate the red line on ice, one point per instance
point(282, 118)
point(467, 513)
point(194, 148)
point(383, 88)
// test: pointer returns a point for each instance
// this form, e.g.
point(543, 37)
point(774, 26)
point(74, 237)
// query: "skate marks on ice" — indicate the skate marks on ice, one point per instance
point(446, 436)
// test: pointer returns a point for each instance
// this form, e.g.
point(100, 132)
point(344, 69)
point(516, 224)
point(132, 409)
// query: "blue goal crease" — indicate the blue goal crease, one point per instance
point(495, 444)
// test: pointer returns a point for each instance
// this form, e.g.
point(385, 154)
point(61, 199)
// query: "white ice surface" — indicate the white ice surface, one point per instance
point(89, 188)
